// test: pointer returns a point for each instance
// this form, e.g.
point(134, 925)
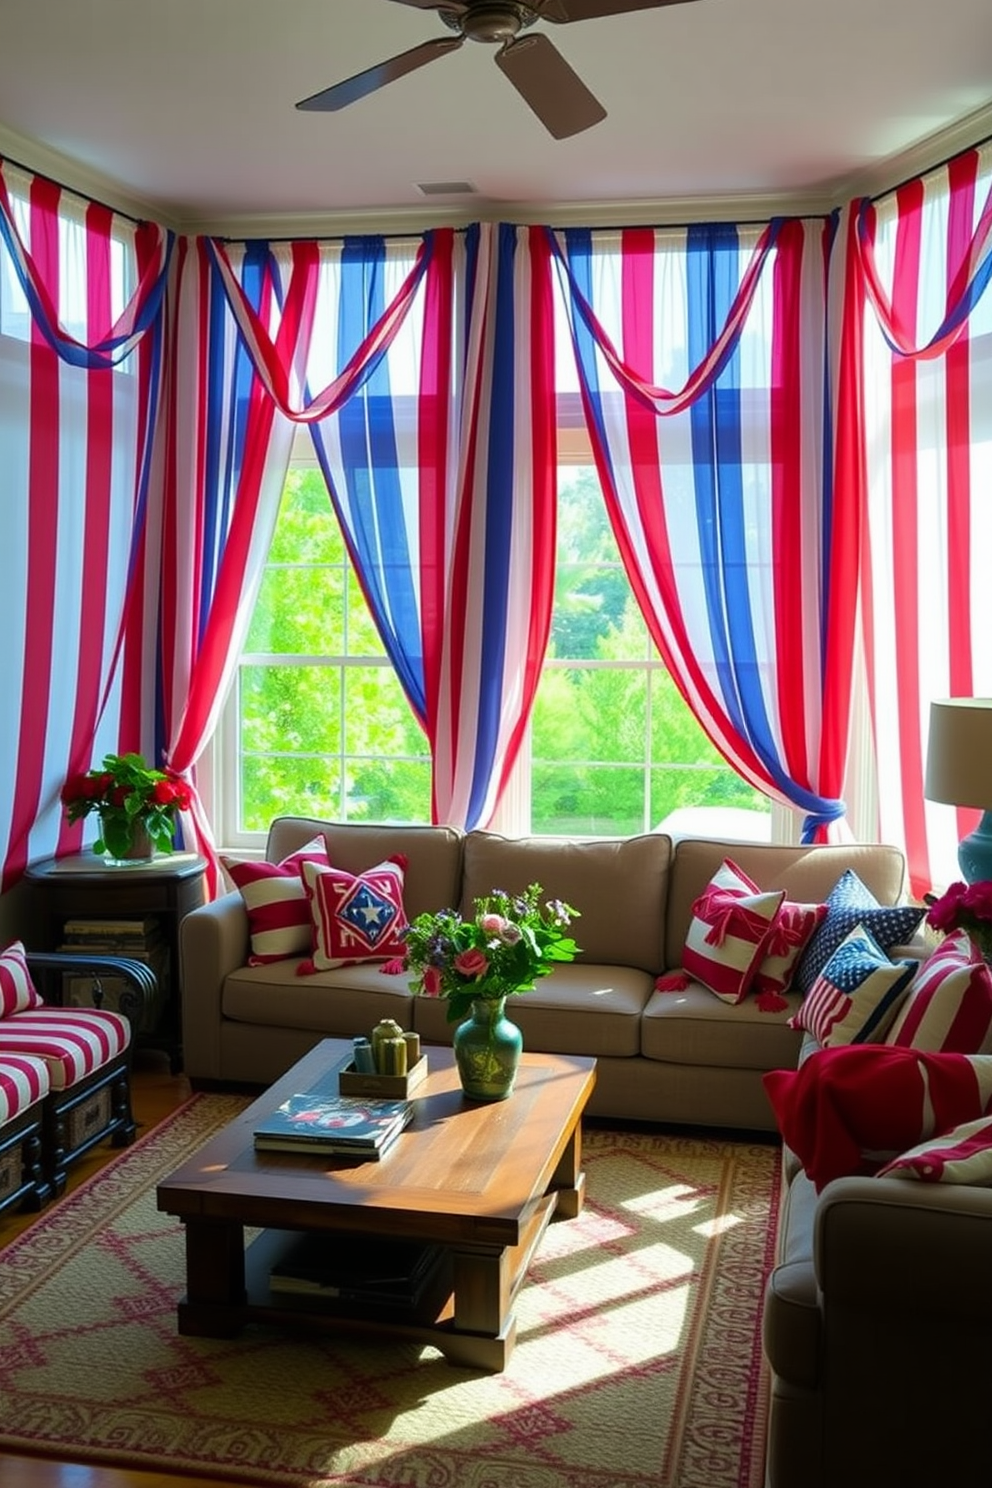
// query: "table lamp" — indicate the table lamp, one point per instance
point(959, 773)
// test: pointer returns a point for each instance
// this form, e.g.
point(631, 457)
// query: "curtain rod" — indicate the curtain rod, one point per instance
point(83, 195)
point(937, 165)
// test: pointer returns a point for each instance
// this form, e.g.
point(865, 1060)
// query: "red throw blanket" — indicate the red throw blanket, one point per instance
point(850, 1109)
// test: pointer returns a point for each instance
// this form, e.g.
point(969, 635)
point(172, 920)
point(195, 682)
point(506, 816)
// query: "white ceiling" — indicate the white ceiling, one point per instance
point(185, 108)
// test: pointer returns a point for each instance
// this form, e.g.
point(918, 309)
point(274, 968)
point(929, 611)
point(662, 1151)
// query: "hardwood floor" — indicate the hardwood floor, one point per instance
point(154, 1093)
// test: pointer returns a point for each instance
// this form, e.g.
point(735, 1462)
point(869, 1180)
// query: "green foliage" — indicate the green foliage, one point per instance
point(342, 742)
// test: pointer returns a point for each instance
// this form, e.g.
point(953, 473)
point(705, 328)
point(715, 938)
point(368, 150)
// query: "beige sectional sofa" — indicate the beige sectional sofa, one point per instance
point(661, 1056)
point(878, 1311)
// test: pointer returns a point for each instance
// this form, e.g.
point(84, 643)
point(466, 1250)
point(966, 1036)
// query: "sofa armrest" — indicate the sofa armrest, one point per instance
point(213, 942)
point(879, 1242)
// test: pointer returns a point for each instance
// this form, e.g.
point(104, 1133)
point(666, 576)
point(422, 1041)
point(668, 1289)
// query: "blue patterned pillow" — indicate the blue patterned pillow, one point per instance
point(851, 903)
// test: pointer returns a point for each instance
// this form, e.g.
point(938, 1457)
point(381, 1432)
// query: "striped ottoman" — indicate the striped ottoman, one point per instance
point(24, 1083)
point(87, 1056)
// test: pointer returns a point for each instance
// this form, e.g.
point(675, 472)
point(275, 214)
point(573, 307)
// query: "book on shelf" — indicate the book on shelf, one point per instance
point(360, 1269)
point(320, 1120)
point(135, 930)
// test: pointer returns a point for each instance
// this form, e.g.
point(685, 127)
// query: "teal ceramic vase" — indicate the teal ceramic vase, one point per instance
point(487, 1050)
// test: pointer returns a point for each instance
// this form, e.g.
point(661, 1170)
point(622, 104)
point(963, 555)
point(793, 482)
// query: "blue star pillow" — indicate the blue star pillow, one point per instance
point(857, 994)
point(851, 903)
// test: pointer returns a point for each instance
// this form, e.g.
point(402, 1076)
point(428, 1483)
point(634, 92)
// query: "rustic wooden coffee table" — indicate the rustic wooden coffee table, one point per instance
point(482, 1181)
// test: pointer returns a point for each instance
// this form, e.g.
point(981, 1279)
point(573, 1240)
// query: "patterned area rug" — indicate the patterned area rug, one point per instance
point(638, 1359)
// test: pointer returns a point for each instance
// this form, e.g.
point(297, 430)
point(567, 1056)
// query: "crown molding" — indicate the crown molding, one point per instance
point(43, 160)
point(881, 176)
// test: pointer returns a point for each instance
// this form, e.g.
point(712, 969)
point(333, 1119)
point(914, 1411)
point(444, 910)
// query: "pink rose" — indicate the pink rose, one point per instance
point(492, 924)
point(471, 963)
point(943, 915)
point(432, 981)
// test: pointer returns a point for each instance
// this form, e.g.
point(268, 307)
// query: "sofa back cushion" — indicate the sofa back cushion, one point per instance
point(433, 854)
point(807, 874)
point(618, 885)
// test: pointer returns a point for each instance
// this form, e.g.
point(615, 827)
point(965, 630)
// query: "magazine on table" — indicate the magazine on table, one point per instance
point(320, 1120)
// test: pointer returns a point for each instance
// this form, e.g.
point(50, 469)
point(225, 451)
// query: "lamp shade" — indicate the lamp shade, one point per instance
point(959, 752)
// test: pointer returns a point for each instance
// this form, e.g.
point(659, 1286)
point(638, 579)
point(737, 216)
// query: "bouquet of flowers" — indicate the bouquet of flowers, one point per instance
point(128, 794)
point(966, 907)
point(512, 940)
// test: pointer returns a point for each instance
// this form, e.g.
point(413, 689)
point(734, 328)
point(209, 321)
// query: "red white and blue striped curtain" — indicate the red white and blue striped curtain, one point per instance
point(914, 468)
point(442, 470)
point(81, 297)
point(719, 492)
point(246, 323)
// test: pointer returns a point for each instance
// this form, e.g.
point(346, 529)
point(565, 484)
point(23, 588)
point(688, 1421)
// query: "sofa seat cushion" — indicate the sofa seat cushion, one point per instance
point(73, 1042)
point(579, 1008)
point(691, 1026)
point(24, 1080)
point(345, 1002)
point(617, 885)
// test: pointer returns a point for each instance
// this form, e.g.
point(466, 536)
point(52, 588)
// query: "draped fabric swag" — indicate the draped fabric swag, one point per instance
point(914, 471)
point(718, 492)
point(789, 420)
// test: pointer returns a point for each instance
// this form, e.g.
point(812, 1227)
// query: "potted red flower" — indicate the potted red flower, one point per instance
point(137, 805)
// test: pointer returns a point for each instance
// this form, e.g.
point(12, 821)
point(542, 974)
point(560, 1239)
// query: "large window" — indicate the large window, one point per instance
point(318, 723)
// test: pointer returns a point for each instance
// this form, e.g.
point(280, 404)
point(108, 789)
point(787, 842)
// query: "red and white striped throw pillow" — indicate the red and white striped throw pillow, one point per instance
point(791, 932)
point(731, 924)
point(949, 1006)
point(961, 1155)
point(17, 991)
point(276, 901)
point(355, 917)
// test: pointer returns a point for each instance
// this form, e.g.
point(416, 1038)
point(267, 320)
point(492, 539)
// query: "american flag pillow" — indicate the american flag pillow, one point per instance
point(355, 917)
point(857, 994)
point(276, 901)
point(949, 1007)
point(731, 923)
point(17, 991)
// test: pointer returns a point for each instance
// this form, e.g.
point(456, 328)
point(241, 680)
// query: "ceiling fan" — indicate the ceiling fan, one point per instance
point(534, 66)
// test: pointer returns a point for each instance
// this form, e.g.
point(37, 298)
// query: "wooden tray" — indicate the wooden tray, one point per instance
point(390, 1087)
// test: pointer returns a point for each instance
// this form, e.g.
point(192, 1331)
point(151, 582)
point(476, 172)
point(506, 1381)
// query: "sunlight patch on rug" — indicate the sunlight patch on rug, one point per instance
point(638, 1359)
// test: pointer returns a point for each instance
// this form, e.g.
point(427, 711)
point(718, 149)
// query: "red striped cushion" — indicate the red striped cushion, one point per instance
point(276, 901)
point(794, 925)
point(73, 1042)
point(731, 923)
point(17, 991)
point(949, 1007)
point(23, 1081)
point(961, 1155)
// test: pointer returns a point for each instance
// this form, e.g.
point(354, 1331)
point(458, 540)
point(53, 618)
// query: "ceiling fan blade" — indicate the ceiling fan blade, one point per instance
point(456, 6)
point(562, 11)
point(546, 82)
point(341, 94)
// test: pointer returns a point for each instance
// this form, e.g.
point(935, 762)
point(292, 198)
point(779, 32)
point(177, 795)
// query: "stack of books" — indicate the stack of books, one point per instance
point(365, 1270)
point(140, 939)
point(316, 1121)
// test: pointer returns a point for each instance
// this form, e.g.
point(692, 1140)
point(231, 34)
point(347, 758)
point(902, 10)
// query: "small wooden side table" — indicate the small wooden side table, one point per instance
point(85, 886)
